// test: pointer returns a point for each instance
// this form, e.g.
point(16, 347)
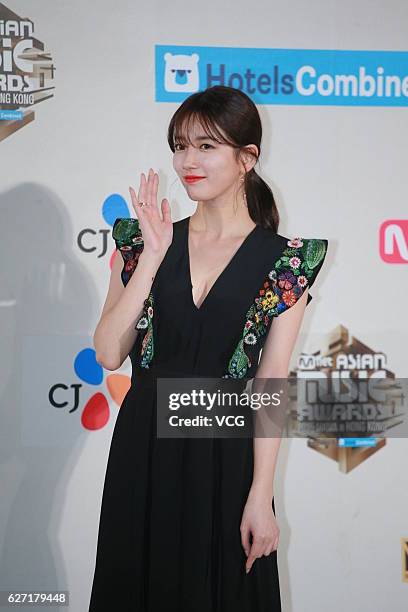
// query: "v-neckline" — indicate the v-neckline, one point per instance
point(223, 271)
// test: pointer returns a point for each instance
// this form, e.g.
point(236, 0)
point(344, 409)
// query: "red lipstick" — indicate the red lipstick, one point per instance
point(192, 178)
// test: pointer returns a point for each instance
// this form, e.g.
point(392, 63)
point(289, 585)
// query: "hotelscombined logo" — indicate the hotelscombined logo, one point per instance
point(26, 72)
point(95, 414)
point(285, 76)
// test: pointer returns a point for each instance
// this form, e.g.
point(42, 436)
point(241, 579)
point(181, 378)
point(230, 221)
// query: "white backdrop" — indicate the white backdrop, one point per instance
point(337, 172)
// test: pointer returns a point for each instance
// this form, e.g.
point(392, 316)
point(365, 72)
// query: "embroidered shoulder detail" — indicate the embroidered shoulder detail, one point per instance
point(127, 235)
point(129, 241)
point(145, 322)
point(296, 269)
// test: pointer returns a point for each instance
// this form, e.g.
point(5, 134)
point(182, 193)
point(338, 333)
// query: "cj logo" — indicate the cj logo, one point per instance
point(95, 414)
point(394, 241)
point(181, 72)
point(98, 241)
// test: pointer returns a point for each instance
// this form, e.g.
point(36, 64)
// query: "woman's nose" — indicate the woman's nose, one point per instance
point(190, 157)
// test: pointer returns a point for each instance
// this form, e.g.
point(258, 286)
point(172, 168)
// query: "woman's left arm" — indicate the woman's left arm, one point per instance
point(258, 517)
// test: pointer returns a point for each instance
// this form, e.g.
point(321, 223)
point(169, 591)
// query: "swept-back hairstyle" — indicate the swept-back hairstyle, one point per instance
point(232, 111)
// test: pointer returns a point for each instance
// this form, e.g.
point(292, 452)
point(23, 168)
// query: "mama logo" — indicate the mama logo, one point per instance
point(335, 405)
point(26, 72)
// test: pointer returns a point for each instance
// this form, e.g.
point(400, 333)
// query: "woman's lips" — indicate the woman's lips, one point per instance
point(193, 179)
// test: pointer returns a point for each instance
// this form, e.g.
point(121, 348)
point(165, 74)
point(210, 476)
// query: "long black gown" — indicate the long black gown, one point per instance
point(169, 533)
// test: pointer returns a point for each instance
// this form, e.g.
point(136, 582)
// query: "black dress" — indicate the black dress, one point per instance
point(169, 533)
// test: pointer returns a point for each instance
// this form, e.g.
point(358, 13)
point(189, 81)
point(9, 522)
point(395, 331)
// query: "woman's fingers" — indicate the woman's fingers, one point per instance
point(153, 185)
point(135, 201)
point(156, 230)
point(151, 188)
point(269, 549)
point(143, 193)
point(261, 546)
point(245, 539)
point(148, 190)
point(138, 210)
point(255, 552)
point(166, 211)
point(150, 182)
point(142, 189)
point(154, 190)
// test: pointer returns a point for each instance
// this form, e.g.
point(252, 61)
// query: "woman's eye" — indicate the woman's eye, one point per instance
point(178, 146)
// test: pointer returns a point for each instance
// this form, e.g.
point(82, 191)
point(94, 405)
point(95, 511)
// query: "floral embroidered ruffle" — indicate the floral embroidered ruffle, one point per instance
point(296, 269)
point(127, 235)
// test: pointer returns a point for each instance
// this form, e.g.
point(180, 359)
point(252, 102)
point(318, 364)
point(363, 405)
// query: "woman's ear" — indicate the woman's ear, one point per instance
point(249, 155)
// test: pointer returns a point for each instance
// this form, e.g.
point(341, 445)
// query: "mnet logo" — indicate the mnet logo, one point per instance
point(394, 241)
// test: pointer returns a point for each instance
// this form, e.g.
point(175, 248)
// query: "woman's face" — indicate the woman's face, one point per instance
point(209, 159)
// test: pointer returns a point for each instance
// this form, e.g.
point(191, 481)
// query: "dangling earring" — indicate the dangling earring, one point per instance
point(242, 181)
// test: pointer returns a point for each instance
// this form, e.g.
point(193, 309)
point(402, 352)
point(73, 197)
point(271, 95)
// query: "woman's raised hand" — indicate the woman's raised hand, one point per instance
point(157, 232)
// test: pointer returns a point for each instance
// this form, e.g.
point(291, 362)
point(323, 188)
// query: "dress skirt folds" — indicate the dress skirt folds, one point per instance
point(169, 532)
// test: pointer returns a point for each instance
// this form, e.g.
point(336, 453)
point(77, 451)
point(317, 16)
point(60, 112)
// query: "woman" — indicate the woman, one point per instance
point(188, 525)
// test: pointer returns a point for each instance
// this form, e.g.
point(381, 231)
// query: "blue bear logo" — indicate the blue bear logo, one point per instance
point(181, 72)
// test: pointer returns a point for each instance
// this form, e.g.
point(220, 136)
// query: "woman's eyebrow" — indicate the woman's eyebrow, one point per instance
point(204, 138)
point(197, 139)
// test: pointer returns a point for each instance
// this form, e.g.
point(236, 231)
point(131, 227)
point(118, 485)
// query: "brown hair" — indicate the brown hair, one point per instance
point(233, 112)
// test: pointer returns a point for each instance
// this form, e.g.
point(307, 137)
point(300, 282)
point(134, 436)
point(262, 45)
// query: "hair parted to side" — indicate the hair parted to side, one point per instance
point(232, 111)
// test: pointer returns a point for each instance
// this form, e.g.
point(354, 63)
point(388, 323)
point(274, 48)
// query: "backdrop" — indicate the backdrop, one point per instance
point(86, 94)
